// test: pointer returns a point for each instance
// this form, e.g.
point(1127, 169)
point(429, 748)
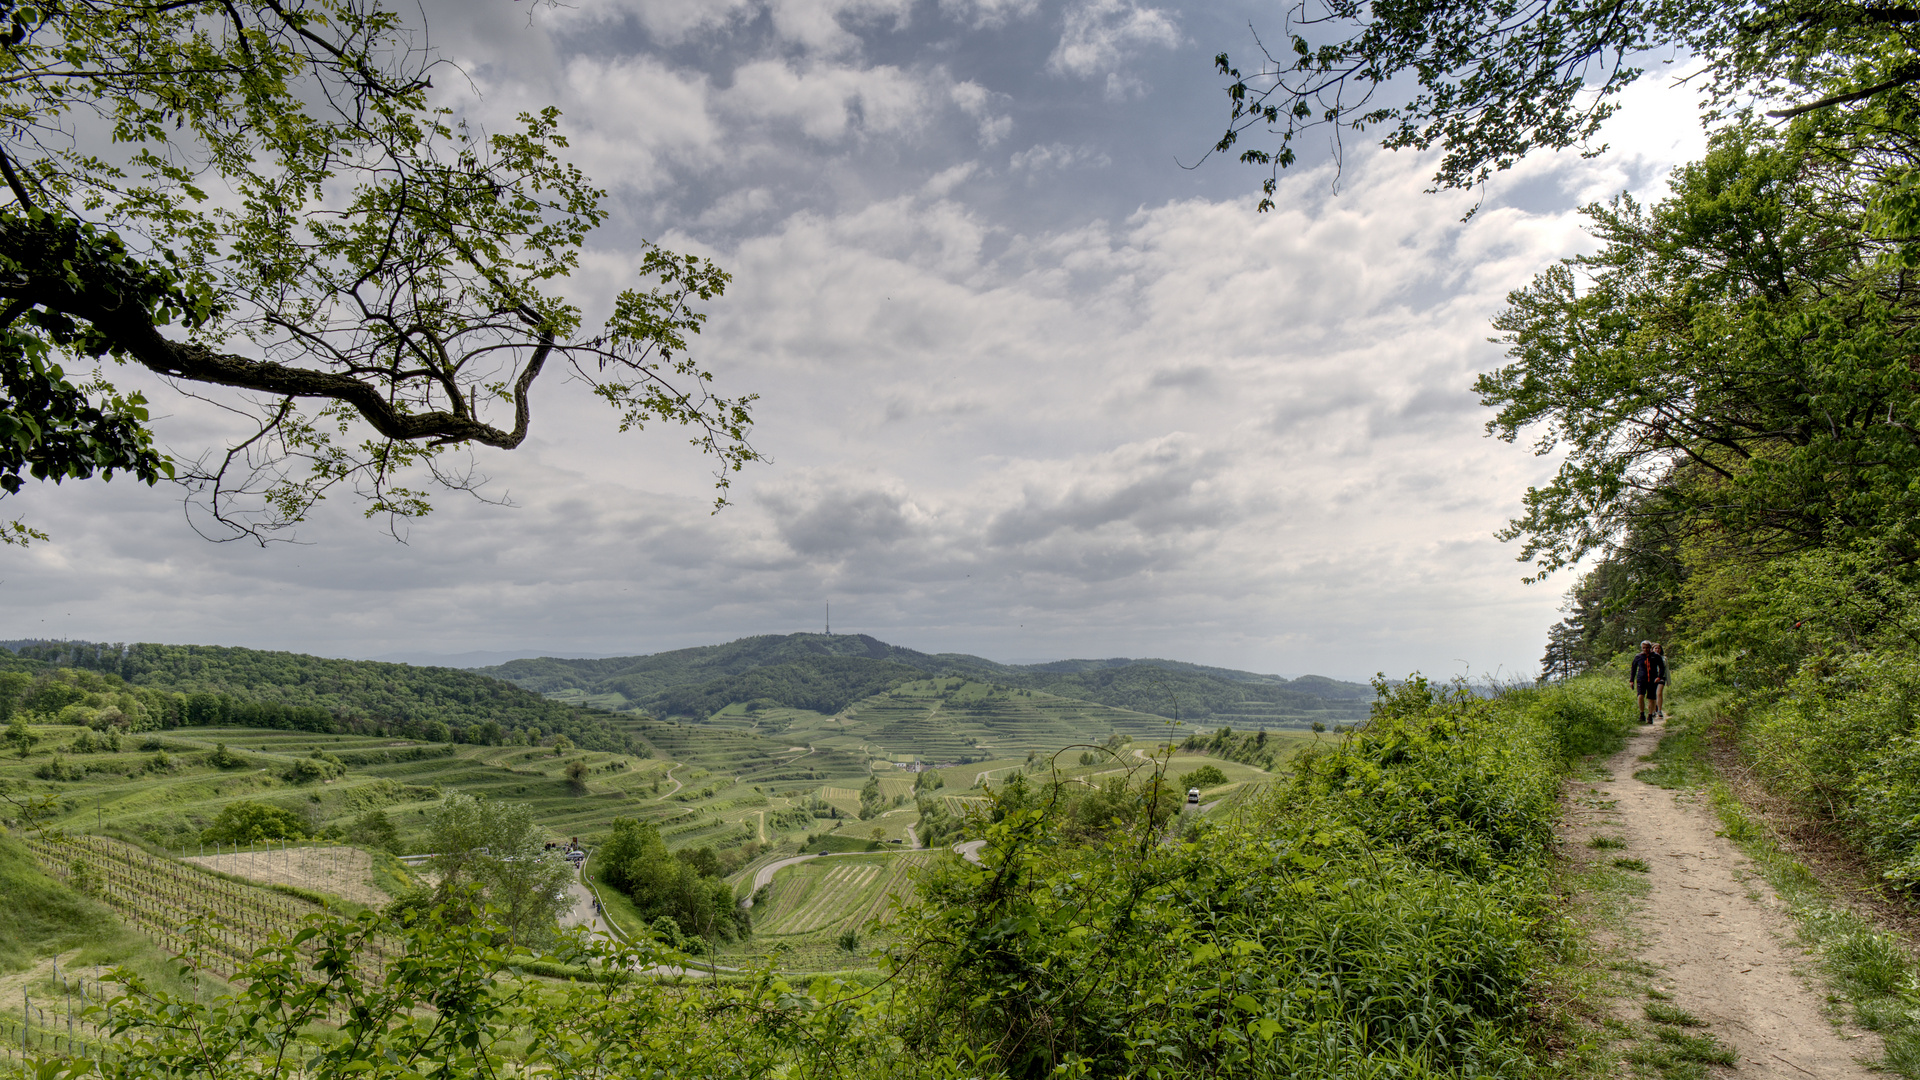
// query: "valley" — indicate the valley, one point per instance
point(755, 781)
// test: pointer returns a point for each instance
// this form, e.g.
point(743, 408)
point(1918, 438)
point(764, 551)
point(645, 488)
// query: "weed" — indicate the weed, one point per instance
point(1658, 994)
point(1672, 1014)
point(1607, 842)
point(1638, 866)
point(1680, 760)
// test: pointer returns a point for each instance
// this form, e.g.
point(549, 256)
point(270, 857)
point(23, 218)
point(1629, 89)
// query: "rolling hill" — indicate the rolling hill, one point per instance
point(827, 673)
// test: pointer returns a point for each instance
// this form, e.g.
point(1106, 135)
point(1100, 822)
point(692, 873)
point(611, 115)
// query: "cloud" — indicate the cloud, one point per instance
point(999, 421)
point(977, 101)
point(1057, 156)
point(1098, 36)
point(988, 14)
point(828, 102)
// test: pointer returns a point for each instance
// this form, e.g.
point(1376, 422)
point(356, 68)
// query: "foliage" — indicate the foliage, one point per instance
point(1636, 592)
point(870, 802)
point(1250, 748)
point(938, 826)
point(1490, 83)
point(315, 767)
point(826, 673)
point(495, 848)
point(1731, 364)
point(275, 179)
point(223, 758)
point(687, 889)
point(164, 686)
point(1205, 776)
point(374, 829)
point(1382, 914)
point(249, 821)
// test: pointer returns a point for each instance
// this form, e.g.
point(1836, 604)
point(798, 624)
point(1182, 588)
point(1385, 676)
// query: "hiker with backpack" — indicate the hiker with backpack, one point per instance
point(1648, 674)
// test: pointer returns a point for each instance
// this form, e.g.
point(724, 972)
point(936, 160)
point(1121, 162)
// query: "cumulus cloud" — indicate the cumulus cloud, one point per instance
point(978, 102)
point(988, 14)
point(1098, 36)
point(828, 102)
point(1183, 429)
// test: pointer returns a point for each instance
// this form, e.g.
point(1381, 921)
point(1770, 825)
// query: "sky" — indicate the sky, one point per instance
point(1035, 379)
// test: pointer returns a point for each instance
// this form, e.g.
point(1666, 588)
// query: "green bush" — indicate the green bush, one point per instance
point(247, 821)
point(1205, 776)
point(1379, 915)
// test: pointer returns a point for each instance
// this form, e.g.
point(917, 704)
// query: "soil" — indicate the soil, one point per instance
point(1722, 943)
point(345, 872)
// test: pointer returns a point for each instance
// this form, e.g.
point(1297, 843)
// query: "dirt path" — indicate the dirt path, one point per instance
point(1723, 943)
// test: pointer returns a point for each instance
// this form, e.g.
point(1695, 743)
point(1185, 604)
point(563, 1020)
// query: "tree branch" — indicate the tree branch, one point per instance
point(1902, 75)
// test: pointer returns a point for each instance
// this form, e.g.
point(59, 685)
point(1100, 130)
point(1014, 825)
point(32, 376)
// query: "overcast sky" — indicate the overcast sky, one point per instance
point(1031, 388)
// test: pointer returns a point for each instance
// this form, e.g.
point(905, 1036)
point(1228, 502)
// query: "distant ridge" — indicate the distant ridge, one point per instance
point(824, 672)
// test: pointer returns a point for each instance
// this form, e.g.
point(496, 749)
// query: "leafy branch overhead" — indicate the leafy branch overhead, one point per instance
point(285, 222)
point(1491, 81)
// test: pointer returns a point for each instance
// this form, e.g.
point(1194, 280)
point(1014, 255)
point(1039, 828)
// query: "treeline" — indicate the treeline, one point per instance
point(1729, 380)
point(1248, 748)
point(195, 685)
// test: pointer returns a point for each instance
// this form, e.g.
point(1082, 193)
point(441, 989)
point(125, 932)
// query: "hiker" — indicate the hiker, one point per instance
point(1660, 685)
point(1645, 673)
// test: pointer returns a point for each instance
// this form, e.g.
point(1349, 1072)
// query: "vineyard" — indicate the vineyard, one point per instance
point(216, 923)
point(72, 1020)
point(838, 893)
point(213, 923)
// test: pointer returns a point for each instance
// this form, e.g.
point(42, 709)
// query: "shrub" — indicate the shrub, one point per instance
point(1205, 776)
point(1378, 915)
point(248, 822)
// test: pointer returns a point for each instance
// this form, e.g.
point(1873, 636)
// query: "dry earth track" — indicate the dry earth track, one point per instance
point(1723, 943)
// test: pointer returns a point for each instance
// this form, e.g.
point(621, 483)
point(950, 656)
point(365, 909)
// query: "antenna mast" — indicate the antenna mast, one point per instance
point(829, 618)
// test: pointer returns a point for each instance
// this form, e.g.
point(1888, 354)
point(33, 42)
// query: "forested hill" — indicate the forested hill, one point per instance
point(196, 684)
point(826, 673)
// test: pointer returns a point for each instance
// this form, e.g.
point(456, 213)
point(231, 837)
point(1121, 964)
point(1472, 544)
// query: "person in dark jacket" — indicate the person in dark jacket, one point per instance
point(1660, 687)
point(1646, 673)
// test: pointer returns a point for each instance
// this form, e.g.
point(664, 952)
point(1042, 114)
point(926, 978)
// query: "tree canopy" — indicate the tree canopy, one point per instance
point(1491, 81)
point(259, 202)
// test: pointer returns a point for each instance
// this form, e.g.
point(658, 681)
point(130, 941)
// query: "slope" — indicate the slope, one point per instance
point(208, 684)
point(824, 673)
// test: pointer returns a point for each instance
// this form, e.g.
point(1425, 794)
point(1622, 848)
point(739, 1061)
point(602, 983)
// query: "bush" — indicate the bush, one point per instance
point(686, 889)
point(1378, 915)
point(249, 822)
point(223, 758)
point(1205, 776)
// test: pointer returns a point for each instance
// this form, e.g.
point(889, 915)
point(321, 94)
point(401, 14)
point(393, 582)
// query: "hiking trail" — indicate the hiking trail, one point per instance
point(1721, 941)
